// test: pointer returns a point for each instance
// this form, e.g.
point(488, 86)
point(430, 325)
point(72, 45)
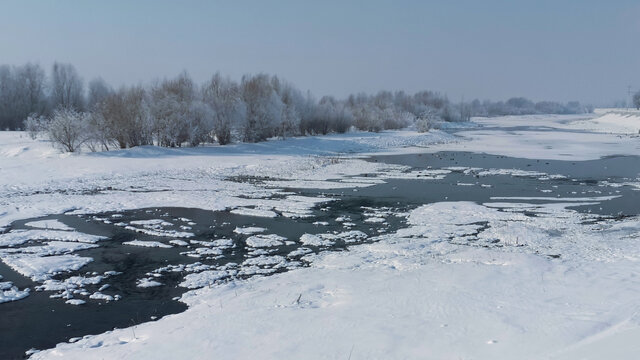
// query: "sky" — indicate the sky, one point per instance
point(586, 50)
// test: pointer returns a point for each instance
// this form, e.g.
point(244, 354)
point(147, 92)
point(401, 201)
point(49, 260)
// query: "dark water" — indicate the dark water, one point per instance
point(40, 322)
point(592, 178)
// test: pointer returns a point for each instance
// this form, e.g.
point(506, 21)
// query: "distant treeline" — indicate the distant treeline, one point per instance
point(523, 106)
point(180, 112)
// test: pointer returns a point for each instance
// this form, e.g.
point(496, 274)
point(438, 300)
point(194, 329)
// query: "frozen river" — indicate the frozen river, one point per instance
point(546, 202)
point(219, 243)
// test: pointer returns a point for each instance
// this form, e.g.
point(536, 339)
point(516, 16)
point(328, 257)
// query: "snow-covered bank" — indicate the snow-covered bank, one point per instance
point(554, 137)
point(37, 181)
point(430, 291)
point(615, 121)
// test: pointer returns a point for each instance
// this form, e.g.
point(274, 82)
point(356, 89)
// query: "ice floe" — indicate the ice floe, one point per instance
point(249, 230)
point(142, 243)
point(49, 224)
point(40, 268)
point(18, 237)
point(265, 240)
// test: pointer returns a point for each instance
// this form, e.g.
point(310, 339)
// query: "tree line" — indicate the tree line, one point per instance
point(177, 111)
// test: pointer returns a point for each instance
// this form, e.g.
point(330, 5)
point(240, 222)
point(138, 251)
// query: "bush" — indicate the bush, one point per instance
point(428, 120)
point(35, 125)
point(67, 129)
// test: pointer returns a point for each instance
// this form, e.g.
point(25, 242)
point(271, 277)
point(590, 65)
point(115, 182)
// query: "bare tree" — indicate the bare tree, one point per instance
point(98, 92)
point(8, 99)
point(66, 87)
point(171, 110)
point(636, 100)
point(125, 118)
point(31, 79)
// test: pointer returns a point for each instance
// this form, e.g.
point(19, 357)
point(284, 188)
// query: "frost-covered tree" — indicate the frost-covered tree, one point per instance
point(264, 108)
point(138, 116)
point(295, 108)
point(35, 125)
point(179, 116)
point(200, 123)
point(67, 129)
point(636, 100)
point(66, 87)
point(227, 107)
point(427, 120)
point(330, 115)
point(368, 118)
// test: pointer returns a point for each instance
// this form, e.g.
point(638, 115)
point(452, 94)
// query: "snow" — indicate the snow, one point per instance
point(49, 224)
point(151, 223)
point(299, 252)
point(153, 244)
point(49, 248)
point(401, 173)
point(40, 268)
point(156, 231)
point(249, 230)
point(254, 212)
point(71, 283)
point(8, 292)
point(178, 242)
point(18, 237)
point(314, 240)
point(329, 239)
point(75, 302)
point(565, 199)
point(347, 236)
point(554, 137)
point(461, 280)
point(265, 261)
point(100, 296)
point(203, 251)
point(519, 173)
point(147, 283)
point(269, 240)
point(616, 121)
point(205, 278)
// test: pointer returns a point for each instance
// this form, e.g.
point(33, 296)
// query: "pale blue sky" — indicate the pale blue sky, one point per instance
point(560, 50)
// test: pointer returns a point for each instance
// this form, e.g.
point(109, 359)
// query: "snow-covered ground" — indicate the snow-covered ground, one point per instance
point(616, 121)
point(556, 285)
point(37, 180)
point(554, 137)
